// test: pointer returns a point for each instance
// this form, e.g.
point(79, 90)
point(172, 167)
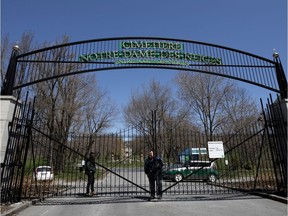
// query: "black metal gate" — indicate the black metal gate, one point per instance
point(254, 159)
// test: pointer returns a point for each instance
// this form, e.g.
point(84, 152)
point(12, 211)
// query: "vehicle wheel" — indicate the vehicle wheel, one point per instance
point(178, 177)
point(212, 178)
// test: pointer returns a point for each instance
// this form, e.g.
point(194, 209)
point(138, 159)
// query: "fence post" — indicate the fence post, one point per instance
point(154, 132)
point(8, 83)
point(282, 81)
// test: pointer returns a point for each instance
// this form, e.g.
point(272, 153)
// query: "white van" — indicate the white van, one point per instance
point(44, 173)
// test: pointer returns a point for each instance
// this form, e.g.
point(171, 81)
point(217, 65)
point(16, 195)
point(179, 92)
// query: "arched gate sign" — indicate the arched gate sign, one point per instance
point(145, 52)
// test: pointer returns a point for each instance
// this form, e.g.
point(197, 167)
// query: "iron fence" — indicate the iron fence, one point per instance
point(253, 160)
point(249, 163)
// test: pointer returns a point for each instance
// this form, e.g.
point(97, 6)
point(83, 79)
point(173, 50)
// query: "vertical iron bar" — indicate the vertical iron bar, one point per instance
point(155, 133)
point(20, 143)
point(29, 137)
point(8, 158)
point(280, 126)
point(267, 124)
point(259, 158)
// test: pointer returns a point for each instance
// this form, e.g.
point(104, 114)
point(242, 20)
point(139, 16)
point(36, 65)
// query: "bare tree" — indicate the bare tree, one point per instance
point(63, 105)
point(98, 113)
point(70, 103)
point(241, 110)
point(209, 98)
point(25, 44)
point(5, 51)
point(154, 112)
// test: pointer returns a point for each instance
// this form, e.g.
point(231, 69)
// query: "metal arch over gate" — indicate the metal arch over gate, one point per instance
point(146, 52)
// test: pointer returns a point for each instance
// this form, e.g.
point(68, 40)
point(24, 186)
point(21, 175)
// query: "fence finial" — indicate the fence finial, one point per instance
point(275, 54)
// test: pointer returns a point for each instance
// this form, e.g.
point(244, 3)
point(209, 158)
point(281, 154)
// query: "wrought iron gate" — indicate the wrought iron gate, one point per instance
point(253, 159)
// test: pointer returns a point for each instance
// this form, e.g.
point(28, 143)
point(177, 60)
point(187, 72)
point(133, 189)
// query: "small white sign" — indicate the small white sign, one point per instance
point(216, 149)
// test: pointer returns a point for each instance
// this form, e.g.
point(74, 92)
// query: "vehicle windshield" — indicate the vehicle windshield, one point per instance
point(43, 169)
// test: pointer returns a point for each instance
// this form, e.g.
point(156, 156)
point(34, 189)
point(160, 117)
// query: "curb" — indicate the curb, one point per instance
point(273, 197)
point(17, 207)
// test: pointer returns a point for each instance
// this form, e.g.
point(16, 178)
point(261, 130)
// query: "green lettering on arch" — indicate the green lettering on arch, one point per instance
point(84, 58)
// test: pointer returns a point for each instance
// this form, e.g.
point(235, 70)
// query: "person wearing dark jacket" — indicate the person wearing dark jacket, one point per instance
point(153, 169)
point(90, 169)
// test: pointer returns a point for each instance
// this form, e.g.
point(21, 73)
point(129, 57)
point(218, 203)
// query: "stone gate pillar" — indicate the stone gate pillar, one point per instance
point(279, 111)
point(7, 108)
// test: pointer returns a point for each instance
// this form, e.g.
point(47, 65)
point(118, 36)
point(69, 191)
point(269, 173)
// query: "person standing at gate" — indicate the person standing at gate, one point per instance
point(90, 169)
point(153, 169)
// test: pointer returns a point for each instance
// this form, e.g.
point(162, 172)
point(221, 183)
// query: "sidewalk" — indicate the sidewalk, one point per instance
point(11, 210)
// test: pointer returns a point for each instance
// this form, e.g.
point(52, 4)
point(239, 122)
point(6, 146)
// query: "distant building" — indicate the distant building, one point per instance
point(189, 154)
point(127, 152)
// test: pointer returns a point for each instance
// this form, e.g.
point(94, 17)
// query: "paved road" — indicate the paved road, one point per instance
point(112, 183)
point(235, 204)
